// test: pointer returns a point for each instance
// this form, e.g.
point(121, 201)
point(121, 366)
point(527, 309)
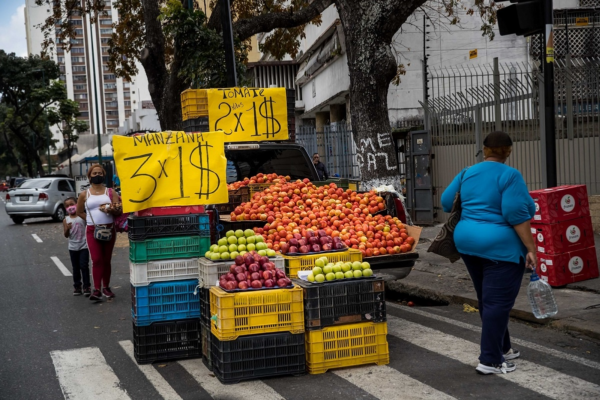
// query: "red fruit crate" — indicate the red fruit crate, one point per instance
point(566, 236)
point(562, 269)
point(561, 203)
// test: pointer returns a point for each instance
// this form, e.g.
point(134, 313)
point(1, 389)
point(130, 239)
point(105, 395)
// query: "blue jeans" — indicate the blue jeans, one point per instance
point(80, 260)
point(497, 284)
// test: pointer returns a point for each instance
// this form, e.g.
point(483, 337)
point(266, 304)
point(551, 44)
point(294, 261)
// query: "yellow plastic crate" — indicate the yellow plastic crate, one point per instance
point(346, 345)
point(256, 312)
point(294, 264)
point(258, 187)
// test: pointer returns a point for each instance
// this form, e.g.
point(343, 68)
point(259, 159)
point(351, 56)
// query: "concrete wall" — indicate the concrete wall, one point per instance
point(595, 212)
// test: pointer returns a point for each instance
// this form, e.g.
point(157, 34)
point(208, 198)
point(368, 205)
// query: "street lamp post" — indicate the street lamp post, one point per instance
point(96, 95)
point(46, 122)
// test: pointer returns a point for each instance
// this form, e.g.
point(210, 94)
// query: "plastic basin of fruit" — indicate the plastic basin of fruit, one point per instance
point(142, 274)
point(343, 302)
point(142, 228)
point(161, 341)
point(256, 312)
point(293, 264)
point(164, 301)
point(210, 271)
point(258, 356)
point(168, 248)
point(346, 345)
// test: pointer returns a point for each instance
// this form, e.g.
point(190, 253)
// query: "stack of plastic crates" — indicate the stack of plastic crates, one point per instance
point(194, 104)
point(163, 265)
point(250, 334)
point(345, 320)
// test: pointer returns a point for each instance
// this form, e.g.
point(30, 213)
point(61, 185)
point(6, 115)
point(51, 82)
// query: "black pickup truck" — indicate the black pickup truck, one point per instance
point(249, 159)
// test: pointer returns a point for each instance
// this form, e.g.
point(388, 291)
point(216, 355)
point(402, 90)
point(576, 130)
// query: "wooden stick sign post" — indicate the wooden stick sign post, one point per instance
point(171, 169)
point(248, 114)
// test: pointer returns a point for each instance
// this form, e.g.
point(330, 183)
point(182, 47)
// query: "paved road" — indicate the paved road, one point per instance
point(53, 344)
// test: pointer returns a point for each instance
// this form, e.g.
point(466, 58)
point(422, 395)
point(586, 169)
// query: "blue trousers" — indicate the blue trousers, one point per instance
point(80, 260)
point(497, 284)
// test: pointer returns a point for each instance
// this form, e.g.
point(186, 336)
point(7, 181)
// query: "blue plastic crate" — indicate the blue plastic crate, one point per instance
point(164, 301)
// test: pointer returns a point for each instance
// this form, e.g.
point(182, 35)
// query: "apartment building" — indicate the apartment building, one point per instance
point(105, 101)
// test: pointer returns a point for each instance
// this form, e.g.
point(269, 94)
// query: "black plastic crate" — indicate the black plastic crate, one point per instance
point(206, 345)
point(142, 228)
point(258, 356)
point(196, 125)
point(161, 341)
point(204, 295)
point(243, 225)
point(343, 302)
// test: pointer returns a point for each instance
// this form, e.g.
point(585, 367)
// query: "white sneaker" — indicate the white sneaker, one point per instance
point(512, 354)
point(486, 369)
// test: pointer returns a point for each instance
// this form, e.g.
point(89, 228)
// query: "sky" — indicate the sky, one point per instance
point(12, 27)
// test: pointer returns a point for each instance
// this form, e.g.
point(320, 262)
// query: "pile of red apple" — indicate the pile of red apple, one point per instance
point(260, 178)
point(296, 207)
point(253, 272)
point(312, 242)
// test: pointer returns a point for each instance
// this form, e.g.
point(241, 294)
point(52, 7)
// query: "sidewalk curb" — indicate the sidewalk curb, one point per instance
point(417, 291)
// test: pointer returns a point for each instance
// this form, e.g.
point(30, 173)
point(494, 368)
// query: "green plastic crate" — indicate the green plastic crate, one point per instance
point(168, 248)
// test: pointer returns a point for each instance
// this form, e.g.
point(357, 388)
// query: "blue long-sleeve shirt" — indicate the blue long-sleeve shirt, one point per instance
point(494, 198)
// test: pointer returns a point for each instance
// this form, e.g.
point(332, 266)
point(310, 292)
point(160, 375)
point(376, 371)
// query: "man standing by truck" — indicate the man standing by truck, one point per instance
point(320, 167)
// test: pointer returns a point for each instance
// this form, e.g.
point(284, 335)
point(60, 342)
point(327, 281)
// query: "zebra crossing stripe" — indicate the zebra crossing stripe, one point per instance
point(543, 380)
point(517, 341)
point(84, 374)
point(250, 390)
point(153, 376)
point(386, 383)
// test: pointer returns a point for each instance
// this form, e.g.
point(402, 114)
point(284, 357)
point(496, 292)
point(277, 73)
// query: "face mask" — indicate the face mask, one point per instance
point(72, 210)
point(98, 179)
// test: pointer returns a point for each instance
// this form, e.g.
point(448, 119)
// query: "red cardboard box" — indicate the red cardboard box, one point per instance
point(561, 203)
point(561, 269)
point(563, 237)
point(175, 210)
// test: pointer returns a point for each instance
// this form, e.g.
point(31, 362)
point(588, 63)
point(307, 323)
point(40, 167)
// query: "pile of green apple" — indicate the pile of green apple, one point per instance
point(327, 271)
point(238, 243)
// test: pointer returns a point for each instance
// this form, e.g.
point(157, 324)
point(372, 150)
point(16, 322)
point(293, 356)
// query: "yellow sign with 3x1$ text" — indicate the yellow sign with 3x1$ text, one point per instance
point(171, 169)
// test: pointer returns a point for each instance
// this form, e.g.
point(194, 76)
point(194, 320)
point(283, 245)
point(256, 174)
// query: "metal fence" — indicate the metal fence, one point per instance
point(335, 144)
point(468, 102)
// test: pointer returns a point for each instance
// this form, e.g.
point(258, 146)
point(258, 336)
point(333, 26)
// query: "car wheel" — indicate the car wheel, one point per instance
point(59, 215)
point(18, 220)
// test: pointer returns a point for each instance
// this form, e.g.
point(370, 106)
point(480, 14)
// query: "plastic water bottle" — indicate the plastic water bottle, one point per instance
point(541, 297)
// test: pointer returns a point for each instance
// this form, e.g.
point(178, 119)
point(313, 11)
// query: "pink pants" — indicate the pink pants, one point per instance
point(101, 253)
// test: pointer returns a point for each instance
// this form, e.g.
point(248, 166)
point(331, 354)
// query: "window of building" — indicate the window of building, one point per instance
point(75, 22)
point(60, 59)
point(105, 49)
point(109, 86)
point(126, 85)
point(112, 104)
point(79, 78)
point(106, 31)
point(127, 103)
point(84, 114)
point(104, 40)
point(112, 112)
point(58, 31)
point(77, 59)
point(79, 87)
point(108, 12)
point(79, 32)
point(62, 78)
point(81, 96)
point(112, 122)
point(110, 77)
point(126, 95)
point(110, 96)
point(60, 50)
point(106, 22)
point(76, 41)
point(78, 68)
point(61, 68)
point(83, 106)
point(105, 59)
point(77, 50)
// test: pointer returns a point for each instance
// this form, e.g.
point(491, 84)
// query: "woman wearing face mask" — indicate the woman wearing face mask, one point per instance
point(90, 206)
point(74, 229)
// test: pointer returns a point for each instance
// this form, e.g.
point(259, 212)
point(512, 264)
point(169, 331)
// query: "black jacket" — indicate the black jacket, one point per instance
point(322, 171)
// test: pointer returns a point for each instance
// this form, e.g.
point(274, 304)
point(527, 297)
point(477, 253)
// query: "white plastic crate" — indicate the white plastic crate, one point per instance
point(209, 271)
point(142, 274)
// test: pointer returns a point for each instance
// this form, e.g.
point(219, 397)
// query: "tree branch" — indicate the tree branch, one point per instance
point(247, 28)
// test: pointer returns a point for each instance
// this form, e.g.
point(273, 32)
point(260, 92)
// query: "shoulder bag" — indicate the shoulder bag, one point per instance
point(443, 244)
point(101, 232)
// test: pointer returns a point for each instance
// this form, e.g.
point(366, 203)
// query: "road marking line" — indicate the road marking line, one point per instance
point(84, 374)
point(386, 383)
point(61, 266)
point(155, 378)
point(37, 238)
point(250, 390)
point(520, 342)
point(529, 375)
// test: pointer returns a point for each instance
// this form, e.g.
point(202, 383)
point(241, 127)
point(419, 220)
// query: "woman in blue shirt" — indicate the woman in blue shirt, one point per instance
point(495, 242)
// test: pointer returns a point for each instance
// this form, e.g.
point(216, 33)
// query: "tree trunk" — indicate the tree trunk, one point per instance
point(369, 28)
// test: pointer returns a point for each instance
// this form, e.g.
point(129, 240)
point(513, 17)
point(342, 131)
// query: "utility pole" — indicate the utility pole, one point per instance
point(550, 120)
point(228, 43)
point(96, 94)
point(46, 128)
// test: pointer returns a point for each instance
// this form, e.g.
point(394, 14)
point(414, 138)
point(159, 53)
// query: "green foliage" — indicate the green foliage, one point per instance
point(200, 48)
